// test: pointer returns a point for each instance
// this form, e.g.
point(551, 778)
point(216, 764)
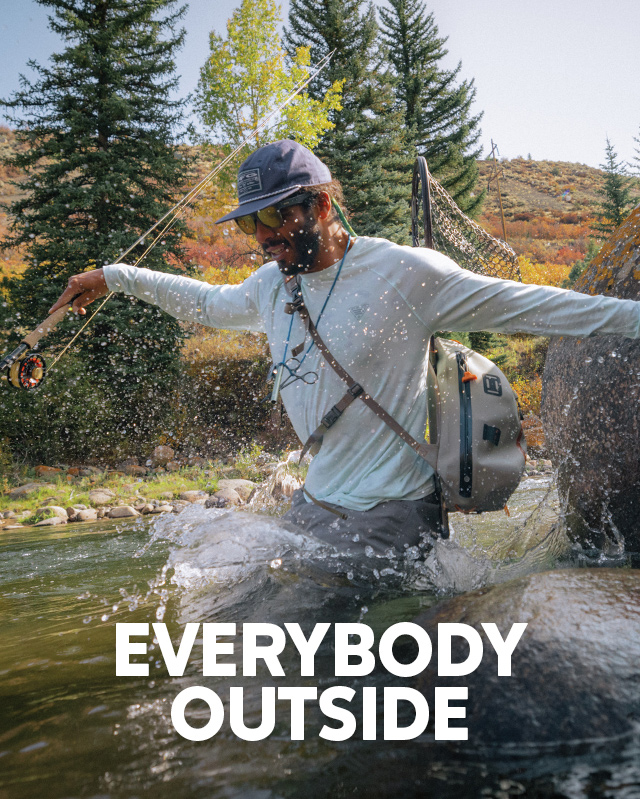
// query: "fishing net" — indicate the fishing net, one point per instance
point(438, 223)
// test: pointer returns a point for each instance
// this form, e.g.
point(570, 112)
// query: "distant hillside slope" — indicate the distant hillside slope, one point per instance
point(542, 186)
point(11, 261)
point(549, 206)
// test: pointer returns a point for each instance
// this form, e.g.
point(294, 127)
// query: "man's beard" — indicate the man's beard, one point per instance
point(307, 247)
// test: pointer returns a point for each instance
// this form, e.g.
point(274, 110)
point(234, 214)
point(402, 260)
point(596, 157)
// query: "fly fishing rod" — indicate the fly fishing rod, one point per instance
point(26, 369)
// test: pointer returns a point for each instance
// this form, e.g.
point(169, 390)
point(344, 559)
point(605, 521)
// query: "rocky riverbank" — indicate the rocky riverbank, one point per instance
point(58, 495)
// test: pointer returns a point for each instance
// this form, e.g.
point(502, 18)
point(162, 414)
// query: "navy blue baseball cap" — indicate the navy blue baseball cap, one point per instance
point(273, 173)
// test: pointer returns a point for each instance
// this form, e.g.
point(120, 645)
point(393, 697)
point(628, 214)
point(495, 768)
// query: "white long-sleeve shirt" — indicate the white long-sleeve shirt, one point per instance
point(386, 304)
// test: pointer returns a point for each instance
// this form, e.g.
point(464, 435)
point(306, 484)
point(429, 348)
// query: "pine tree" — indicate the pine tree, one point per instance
point(436, 107)
point(579, 267)
point(615, 194)
point(366, 150)
point(635, 164)
point(102, 167)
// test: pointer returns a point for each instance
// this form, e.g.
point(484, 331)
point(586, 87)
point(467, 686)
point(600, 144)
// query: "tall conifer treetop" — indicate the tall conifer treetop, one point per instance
point(367, 149)
point(102, 167)
point(435, 105)
point(615, 194)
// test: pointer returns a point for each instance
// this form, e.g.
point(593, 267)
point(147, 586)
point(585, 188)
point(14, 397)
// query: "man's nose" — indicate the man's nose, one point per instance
point(263, 233)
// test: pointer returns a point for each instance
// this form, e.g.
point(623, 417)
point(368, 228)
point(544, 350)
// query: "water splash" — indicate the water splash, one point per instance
point(274, 495)
point(492, 548)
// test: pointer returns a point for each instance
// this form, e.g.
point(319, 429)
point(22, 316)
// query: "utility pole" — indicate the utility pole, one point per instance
point(495, 175)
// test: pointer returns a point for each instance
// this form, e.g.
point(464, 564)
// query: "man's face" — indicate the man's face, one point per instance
point(295, 244)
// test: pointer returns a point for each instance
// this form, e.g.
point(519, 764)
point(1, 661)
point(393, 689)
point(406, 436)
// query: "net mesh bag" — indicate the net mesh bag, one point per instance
point(453, 233)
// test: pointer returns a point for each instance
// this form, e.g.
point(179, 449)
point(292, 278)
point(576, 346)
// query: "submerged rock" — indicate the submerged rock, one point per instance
point(590, 407)
point(575, 669)
point(52, 521)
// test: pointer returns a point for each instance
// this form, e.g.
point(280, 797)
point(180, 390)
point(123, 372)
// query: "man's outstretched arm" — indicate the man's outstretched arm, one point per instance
point(229, 307)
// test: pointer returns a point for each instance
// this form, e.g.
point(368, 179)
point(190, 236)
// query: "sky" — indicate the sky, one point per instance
point(554, 78)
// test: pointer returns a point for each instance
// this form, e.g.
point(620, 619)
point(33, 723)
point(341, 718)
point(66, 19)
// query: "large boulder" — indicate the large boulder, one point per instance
point(591, 411)
point(575, 669)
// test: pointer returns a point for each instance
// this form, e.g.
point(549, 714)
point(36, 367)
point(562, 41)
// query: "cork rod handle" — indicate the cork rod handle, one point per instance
point(46, 327)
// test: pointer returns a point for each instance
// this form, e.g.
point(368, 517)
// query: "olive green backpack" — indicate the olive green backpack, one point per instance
point(474, 427)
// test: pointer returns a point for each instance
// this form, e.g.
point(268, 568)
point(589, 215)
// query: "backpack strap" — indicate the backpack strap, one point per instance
point(429, 452)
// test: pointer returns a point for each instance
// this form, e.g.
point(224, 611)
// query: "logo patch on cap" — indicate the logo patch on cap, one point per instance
point(249, 182)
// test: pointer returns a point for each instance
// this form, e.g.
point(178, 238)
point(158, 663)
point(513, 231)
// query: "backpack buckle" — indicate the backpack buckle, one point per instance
point(331, 417)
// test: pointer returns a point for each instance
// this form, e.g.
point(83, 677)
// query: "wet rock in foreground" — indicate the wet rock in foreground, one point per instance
point(574, 671)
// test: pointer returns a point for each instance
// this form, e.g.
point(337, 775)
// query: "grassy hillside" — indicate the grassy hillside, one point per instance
point(549, 207)
point(11, 261)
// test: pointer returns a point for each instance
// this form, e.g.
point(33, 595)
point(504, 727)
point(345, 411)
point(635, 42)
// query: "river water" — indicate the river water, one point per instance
point(69, 727)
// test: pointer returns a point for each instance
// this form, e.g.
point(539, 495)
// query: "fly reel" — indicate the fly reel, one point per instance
point(25, 368)
point(28, 372)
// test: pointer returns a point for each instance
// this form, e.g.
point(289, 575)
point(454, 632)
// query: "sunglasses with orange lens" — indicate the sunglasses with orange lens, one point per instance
point(270, 216)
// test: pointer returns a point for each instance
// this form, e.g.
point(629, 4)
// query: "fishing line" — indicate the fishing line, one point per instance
point(182, 204)
point(98, 309)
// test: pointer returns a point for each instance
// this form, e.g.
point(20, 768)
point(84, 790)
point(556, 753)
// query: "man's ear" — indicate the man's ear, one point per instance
point(323, 205)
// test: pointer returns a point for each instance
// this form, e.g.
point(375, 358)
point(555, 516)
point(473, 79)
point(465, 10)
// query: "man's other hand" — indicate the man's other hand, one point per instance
point(82, 290)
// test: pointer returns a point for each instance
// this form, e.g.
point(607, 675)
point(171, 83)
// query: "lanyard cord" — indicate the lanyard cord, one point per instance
point(335, 280)
point(286, 344)
point(293, 373)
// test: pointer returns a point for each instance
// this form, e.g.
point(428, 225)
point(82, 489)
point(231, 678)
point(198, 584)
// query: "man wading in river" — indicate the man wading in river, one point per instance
point(375, 305)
